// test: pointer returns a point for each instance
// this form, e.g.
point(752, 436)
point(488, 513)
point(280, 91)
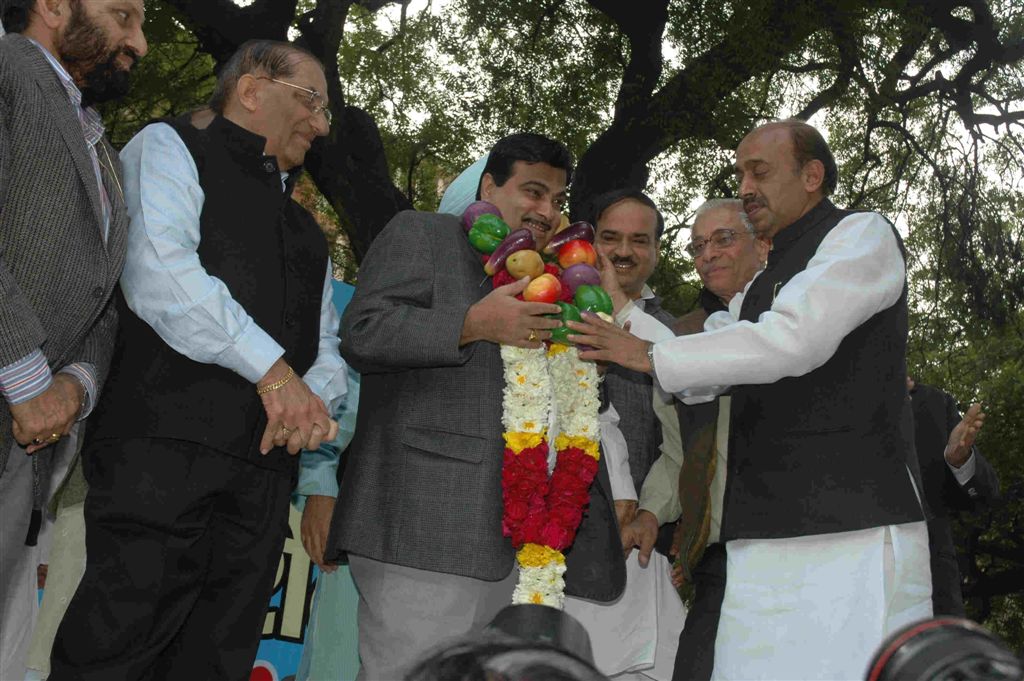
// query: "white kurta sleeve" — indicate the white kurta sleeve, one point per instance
point(857, 271)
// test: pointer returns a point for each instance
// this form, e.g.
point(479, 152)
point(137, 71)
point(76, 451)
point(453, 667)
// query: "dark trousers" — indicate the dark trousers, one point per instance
point(947, 597)
point(695, 657)
point(182, 549)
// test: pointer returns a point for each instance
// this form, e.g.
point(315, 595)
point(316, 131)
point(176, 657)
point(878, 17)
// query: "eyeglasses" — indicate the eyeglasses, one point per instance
point(315, 103)
point(720, 238)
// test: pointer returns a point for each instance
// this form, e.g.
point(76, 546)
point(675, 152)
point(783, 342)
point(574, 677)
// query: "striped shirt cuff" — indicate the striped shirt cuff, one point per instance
point(27, 378)
point(86, 375)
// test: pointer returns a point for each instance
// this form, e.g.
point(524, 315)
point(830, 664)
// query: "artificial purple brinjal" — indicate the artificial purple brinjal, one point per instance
point(518, 240)
point(475, 210)
point(577, 230)
point(579, 274)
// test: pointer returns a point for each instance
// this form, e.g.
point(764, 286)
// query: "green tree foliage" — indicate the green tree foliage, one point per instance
point(921, 101)
point(977, 358)
point(175, 77)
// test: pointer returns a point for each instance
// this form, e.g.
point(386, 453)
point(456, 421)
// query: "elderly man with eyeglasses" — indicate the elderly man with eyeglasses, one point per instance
point(726, 253)
point(686, 481)
point(225, 367)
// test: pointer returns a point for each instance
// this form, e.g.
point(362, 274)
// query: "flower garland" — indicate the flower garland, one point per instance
point(542, 513)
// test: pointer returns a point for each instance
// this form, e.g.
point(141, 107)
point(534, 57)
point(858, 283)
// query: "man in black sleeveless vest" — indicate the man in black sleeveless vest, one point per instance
point(826, 545)
point(226, 355)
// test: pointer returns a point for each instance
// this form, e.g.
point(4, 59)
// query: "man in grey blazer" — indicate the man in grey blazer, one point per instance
point(62, 244)
point(419, 511)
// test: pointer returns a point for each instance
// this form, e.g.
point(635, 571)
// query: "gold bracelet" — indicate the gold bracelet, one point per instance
point(279, 384)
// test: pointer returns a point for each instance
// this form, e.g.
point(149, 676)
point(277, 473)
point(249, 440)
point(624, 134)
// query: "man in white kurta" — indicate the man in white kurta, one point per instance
point(635, 636)
point(826, 546)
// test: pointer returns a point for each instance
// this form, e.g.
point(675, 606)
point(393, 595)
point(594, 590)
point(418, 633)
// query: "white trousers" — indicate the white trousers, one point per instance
point(636, 636)
point(817, 607)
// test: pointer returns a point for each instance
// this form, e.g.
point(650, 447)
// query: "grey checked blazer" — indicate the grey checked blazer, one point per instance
point(422, 485)
point(56, 274)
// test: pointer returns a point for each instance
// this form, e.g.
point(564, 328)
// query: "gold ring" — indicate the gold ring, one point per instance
point(54, 437)
point(533, 336)
point(286, 431)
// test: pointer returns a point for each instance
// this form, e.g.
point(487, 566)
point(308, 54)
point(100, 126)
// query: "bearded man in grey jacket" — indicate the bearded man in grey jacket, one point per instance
point(62, 245)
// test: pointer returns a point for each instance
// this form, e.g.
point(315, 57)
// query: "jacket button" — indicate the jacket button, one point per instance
point(289, 320)
point(268, 166)
point(97, 292)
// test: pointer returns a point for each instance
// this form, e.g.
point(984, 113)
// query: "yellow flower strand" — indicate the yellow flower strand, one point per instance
point(586, 444)
point(557, 349)
point(535, 555)
point(517, 442)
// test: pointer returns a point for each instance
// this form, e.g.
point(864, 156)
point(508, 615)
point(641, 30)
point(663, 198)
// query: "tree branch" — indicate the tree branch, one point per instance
point(221, 26)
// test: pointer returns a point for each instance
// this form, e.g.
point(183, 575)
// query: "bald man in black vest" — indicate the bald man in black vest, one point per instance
point(826, 548)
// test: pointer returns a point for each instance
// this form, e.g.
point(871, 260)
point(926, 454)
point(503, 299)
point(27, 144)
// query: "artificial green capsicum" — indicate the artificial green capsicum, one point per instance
point(569, 313)
point(593, 299)
point(487, 232)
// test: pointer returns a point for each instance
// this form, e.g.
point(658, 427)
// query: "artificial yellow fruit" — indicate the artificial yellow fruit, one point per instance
point(525, 264)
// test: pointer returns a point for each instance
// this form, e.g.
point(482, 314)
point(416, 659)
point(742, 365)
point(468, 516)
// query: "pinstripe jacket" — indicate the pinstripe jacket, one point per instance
point(56, 273)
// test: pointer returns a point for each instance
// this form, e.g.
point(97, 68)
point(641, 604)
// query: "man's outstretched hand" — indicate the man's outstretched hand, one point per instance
point(961, 440)
point(610, 343)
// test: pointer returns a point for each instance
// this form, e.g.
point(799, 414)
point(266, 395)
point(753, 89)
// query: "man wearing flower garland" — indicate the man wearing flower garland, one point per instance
point(822, 477)
point(420, 508)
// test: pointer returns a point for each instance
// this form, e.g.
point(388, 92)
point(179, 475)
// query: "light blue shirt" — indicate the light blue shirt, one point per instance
point(165, 284)
point(318, 470)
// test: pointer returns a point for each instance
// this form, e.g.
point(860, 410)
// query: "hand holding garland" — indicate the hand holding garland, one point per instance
point(609, 343)
point(500, 318)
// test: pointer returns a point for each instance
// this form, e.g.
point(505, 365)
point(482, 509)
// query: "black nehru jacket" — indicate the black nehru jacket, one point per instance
point(827, 451)
point(272, 256)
